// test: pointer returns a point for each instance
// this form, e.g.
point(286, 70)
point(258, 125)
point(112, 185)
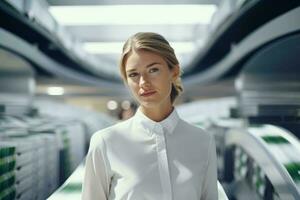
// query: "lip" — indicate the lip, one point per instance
point(146, 94)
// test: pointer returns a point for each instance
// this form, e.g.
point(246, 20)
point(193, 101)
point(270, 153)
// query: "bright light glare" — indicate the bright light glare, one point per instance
point(112, 105)
point(126, 105)
point(133, 14)
point(55, 91)
point(116, 47)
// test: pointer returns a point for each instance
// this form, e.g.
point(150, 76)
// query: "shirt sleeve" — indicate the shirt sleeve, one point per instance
point(209, 189)
point(95, 182)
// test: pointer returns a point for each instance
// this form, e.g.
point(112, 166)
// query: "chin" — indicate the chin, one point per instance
point(149, 104)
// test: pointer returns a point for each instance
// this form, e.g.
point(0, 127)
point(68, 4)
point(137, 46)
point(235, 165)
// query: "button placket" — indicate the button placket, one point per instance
point(163, 162)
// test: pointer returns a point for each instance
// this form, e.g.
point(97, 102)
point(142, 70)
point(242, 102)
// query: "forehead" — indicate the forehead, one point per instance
point(141, 58)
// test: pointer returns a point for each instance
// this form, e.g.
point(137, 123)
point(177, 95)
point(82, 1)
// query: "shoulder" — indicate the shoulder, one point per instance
point(99, 137)
point(194, 130)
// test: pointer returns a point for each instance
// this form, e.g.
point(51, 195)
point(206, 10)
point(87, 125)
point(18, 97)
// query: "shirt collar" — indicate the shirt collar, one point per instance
point(168, 124)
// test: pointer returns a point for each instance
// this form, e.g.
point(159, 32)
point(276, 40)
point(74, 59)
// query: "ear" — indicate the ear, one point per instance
point(176, 72)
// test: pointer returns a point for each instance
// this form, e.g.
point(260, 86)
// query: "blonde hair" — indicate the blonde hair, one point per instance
point(155, 43)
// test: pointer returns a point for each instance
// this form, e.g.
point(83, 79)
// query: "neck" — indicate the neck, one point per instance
point(157, 114)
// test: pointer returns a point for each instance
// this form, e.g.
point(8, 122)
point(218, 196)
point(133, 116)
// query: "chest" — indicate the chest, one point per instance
point(146, 158)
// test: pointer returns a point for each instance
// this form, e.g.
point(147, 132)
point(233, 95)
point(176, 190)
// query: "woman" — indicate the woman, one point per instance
point(154, 155)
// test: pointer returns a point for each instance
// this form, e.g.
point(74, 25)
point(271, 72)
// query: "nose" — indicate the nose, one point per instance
point(144, 82)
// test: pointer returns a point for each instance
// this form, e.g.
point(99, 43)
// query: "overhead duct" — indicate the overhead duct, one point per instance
point(17, 84)
point(248, 29)
point(43, 34)
point(269, 85)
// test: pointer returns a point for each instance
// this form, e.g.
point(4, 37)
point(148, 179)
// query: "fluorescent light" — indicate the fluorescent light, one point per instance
point(133, 14)
point(116, 47)
point(55, 91)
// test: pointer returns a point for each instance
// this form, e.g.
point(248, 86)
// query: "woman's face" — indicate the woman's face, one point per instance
point(149, 78)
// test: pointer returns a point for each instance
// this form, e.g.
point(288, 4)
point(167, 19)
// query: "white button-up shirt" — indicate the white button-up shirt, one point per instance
point(140, 159)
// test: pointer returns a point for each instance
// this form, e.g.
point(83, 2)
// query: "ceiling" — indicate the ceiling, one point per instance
point(212, 39)
point(128, 2)
point(104, 38)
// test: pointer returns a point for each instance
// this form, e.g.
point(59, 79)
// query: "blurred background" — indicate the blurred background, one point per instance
point(60, 83)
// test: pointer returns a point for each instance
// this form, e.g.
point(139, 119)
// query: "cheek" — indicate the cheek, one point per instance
point(132, 87)
point(167, 84)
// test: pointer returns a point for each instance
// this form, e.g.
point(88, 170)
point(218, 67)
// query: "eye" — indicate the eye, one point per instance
point(153, 70)
point(134, 74)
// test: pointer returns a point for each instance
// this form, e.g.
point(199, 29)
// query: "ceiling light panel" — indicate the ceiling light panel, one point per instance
point(133, 14)
point(55, 91)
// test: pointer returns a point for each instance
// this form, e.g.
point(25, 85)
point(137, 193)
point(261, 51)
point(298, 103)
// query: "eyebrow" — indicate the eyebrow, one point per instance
point(149, 65)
